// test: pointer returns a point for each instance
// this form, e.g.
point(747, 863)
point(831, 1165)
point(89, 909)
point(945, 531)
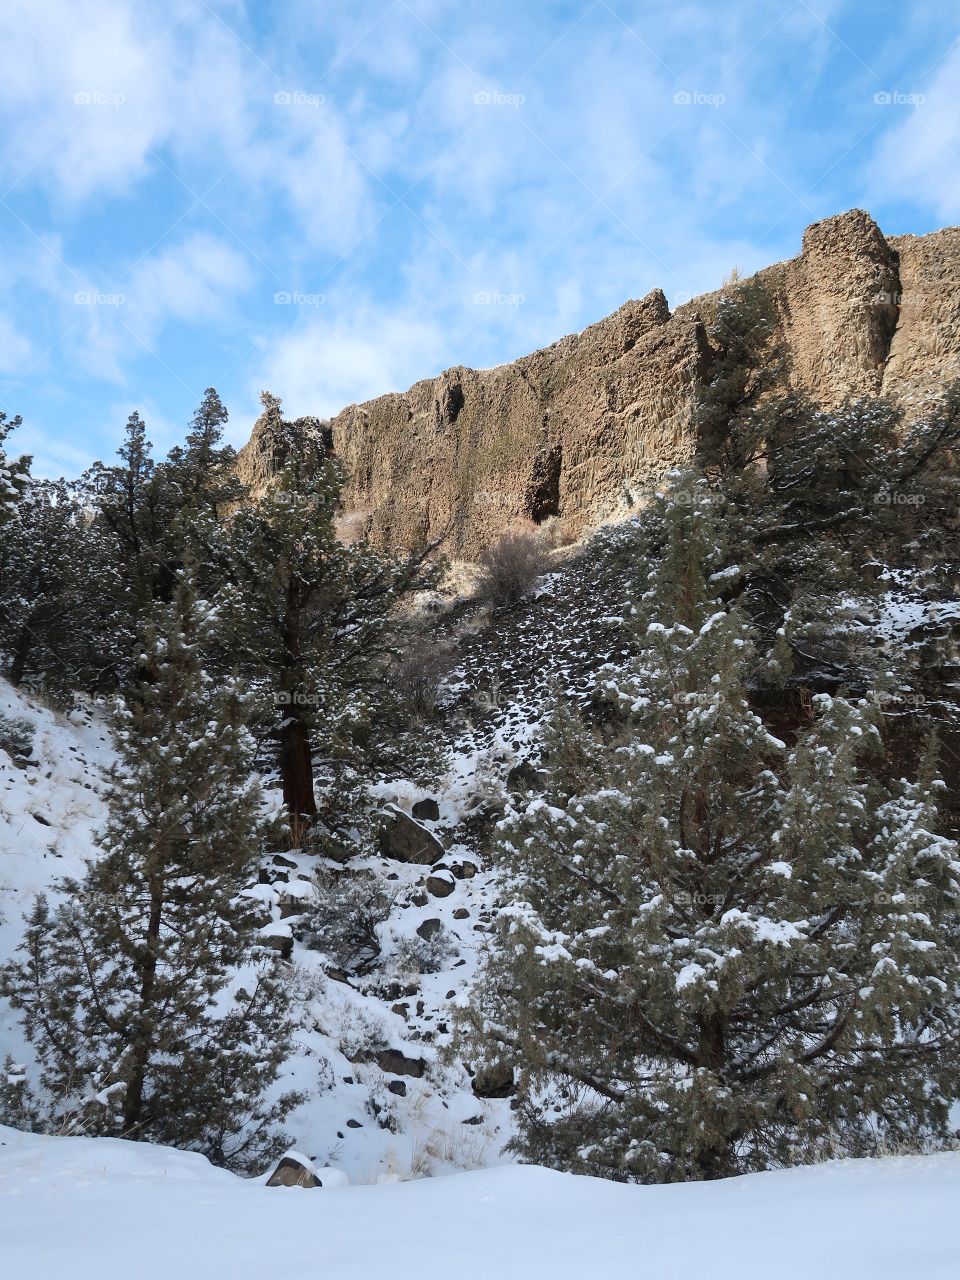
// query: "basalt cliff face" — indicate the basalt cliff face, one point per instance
point(579, 430)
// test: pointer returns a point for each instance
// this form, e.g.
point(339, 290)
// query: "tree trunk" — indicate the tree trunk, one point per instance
point(140, 1057)
point(296, 767)
point(712, 1159)
point(18, 659)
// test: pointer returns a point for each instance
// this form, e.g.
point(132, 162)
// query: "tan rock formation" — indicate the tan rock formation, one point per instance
point(578, 430)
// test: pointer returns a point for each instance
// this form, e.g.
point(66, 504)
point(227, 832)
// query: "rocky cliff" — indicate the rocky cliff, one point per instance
point(579, 430)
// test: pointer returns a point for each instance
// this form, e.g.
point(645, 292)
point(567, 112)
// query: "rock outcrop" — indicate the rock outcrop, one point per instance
point(579, 430)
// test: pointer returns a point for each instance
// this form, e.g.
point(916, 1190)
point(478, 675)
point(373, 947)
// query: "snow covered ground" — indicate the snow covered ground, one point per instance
point(109, 1210)
point(416, 1121)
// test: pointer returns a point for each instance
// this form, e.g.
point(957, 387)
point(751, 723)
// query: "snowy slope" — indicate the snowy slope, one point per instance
point(109, 1210)
point(50, 809)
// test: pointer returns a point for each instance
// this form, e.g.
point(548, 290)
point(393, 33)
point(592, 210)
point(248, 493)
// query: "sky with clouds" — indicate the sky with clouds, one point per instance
point(332, 200)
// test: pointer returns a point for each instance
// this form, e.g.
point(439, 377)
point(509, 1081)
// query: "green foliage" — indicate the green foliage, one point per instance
point(311, 624)
point(14, 472)
point(720, 954)
point(61, 624)
point(153, 1013)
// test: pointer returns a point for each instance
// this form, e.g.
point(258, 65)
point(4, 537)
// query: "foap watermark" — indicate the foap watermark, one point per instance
point(93, 298)
point(97, 98)
point(896, 98)
point(699, 899)
point(297, 98)
point(495, 98)
point(896, 498)
point(912, 899)
point(296, 698)
point(294, 298)
point(493, 298)
point(696, 98)
point(898, 700)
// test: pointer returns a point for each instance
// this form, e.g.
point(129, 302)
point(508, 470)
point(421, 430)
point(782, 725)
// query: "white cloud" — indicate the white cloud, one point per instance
point(327, 363)
point(191, 283)
point(919, 155)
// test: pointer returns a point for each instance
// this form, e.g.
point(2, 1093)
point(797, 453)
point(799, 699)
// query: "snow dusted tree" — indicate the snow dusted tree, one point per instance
point(308, 619)
point(720, 954)
point(13, 471)
point(153, 1013)
point(61, 622)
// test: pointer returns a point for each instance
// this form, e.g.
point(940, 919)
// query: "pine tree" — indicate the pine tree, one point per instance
point(13, 471)
point(139, 507)
point(721, 954)
point(61, 624)
point(153, 1013)
point(310, 620)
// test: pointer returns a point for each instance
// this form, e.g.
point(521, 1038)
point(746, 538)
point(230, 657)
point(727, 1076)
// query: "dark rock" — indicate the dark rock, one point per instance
point(426, 810)
point(290, 1172)
point(277, 942)
point(418, 898)
point(354, 1124)
point(473, 1120)
point(442, 885)
point(494, 1082)
point(398, 1064)
point(398, 1087)
point(464, 870)
point(525, 776)
point(461, 913)
point(430, 928)
point(405, 840)
point(402, 1010)
point(280, 861)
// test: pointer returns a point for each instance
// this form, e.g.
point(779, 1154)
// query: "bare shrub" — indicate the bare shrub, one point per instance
point(420, 671)
point(510, 567)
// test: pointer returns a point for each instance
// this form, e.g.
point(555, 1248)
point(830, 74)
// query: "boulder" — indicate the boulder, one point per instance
point(494, 1082)
point(398, 1064)
point(461, 913)
point(524, 777)
point(278, 938)
point(464, 870)
point(294, 1170)
point(405, 840)
point(398, 1087)
point(426, 810)
point(441, 884)
point(429, 929)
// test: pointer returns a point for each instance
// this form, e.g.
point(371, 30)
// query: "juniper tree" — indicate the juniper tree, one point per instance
point(61, 623)
point(13, 471)
point(310, 620)
point(139, 508)
point(153, 1012)
point(720, 953)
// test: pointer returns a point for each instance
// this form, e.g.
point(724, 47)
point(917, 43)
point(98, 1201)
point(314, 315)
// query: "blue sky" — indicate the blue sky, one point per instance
point(332, 200)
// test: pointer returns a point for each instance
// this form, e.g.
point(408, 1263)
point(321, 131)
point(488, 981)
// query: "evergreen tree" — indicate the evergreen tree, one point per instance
point(139, 508)
point(310, 621)
point(13, 471)
point(721, 954)
point(153, 1013)
point(60, 624)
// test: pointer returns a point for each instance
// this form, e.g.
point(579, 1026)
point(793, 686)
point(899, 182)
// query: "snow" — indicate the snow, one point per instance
point(399, 1137)
point(103, 1209)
